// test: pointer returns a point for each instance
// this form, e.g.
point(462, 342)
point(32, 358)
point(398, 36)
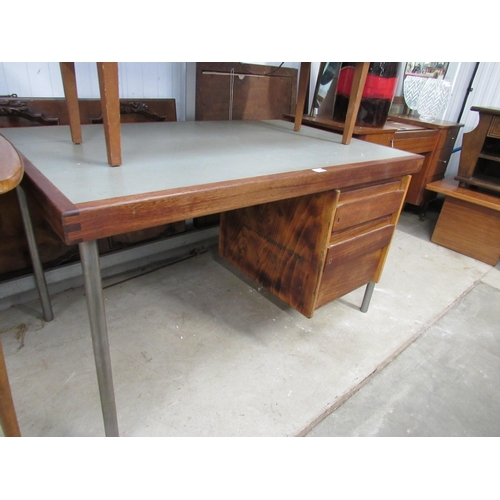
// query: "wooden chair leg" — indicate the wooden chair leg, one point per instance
point(110, 104)
point(8, 418)
point(358, 85)
point(70, 92)
point(305, 73)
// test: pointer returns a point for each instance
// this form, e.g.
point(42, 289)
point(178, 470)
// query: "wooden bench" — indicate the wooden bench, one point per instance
point(469, 222)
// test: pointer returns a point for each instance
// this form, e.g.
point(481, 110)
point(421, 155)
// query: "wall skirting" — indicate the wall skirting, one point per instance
point(21, 290)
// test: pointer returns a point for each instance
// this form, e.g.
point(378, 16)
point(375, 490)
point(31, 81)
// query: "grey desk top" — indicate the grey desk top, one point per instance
point(163, 156)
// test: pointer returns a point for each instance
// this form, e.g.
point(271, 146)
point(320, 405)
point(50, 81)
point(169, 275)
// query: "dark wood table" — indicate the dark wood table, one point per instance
point(175, 171)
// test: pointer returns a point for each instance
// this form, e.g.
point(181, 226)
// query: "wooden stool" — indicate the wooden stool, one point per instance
point(110, 105)
point(11, 174)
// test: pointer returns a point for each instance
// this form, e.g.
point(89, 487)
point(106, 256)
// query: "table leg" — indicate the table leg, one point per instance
point(368, 296)
point(95, 303)
point(35, 257)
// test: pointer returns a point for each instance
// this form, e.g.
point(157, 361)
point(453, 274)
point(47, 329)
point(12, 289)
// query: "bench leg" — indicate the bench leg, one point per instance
point(35, 257)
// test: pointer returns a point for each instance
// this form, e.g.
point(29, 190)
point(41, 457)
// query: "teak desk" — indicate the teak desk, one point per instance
point(310, 200)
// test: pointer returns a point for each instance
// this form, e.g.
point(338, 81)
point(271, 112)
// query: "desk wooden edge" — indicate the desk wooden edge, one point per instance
point(75, 223)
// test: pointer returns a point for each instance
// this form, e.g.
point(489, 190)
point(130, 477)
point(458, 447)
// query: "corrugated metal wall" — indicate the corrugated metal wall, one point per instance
point(486, 93)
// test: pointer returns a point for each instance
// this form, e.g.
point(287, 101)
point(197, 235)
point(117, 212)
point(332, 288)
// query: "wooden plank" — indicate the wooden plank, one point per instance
point(11, 167)
point(358, 84)
point(71, 94)
point(305, 72)
point(8, 419)
point(110, 104)
point(452, 189)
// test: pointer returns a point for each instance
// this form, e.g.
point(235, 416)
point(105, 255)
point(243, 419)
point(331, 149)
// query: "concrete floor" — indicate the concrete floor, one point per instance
point(198, 349)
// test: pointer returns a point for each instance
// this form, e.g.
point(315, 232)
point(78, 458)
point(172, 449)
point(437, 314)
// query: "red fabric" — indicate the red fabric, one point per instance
point(375, 87)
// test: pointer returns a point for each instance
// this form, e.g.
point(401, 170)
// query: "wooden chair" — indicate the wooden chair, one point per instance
point(11, 174)
point(359, 79)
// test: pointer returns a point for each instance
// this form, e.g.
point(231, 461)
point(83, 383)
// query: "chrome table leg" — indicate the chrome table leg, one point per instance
point(35, 256)
point(368, 296)
point(89, 255)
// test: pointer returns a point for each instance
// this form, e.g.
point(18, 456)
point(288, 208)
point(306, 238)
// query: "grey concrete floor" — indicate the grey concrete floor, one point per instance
point(198, 349)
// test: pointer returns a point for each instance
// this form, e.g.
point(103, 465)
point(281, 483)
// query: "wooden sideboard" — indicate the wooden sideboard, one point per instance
point(433, 140)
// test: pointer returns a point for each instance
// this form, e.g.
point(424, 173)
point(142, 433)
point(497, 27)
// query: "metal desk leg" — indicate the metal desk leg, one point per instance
point(95, 303)
point(35, 257)
point(368, 296)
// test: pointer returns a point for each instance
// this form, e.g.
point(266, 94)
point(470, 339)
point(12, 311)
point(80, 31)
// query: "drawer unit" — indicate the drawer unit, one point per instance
point(363, 225)
point(311, 250)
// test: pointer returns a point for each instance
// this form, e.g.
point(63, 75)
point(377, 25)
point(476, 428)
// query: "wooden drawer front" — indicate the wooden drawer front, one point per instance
point(359, 245)
point(362, 205)
point(494, 130)
point(340, 281)
point(417, 143)
point(352, 263)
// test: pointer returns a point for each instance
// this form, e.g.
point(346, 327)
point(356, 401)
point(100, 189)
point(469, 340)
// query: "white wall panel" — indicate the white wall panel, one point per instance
point(137, 80)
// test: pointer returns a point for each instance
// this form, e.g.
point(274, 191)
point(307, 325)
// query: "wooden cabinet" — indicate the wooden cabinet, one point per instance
point(314, 249)
point(433, 140)
point(480, 159)
point(238, 91)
